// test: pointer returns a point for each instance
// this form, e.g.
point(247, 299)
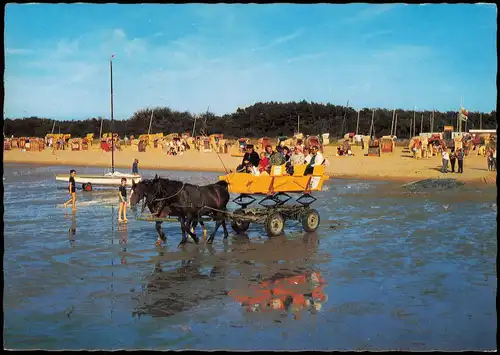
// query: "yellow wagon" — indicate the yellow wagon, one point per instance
point(275, 187)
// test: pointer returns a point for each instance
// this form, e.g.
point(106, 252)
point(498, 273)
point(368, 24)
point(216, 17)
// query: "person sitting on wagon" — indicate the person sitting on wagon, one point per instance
point(263, 163)
point(316, 159)
point(286, 154)
point(277, 157)
point(307, 155)
point(269, 151)
point(297, 157)
point(250, 156)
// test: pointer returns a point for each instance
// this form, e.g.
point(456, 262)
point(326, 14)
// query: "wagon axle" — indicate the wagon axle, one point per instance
point(273, 216)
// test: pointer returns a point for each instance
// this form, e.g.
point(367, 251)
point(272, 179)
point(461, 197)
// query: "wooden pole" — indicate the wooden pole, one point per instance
point(392, 122)
point(150, 121)
point(298, 124)
point(194, 125)
point(414, 120)
point(395, 124)
point(411, 125)
point(357, 123)
point(432, 124)
point(480, 121)
point(112, 138)
point(422, 123)
point(100, 131)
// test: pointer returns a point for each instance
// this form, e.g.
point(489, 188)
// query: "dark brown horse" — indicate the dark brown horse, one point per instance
point(189, 202)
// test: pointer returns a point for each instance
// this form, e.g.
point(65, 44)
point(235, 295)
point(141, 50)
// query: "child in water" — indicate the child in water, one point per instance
point(122, 210)
point(72, 190)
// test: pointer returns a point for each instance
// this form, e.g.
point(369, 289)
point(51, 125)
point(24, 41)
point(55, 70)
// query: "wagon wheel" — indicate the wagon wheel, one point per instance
point(274, 224)
point(310, 220)
point(239, 225)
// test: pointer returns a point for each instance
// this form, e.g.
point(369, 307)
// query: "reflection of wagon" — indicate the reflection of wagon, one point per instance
point(285, 289)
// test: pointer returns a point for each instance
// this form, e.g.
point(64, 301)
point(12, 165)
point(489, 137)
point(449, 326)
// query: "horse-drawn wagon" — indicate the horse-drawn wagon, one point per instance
point(274, 188)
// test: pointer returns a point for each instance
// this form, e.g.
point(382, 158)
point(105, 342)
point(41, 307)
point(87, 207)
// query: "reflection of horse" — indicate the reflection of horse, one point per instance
point(166, 197)
point(169, 291)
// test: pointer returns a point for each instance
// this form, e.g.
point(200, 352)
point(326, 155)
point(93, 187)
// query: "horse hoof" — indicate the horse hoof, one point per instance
point(158, 243)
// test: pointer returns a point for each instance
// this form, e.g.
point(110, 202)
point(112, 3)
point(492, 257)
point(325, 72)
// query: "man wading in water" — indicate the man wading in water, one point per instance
point(72, 190)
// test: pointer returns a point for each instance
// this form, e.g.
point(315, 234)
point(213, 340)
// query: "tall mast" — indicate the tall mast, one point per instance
point(112, 138)
point(422, 123)
point(357, 122)
point(392, 122)
point(150, 121)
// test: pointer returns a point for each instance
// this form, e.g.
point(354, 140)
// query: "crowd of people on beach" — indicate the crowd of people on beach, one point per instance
point(261, 165)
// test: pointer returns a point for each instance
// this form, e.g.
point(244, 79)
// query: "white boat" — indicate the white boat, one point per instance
point(110, 179)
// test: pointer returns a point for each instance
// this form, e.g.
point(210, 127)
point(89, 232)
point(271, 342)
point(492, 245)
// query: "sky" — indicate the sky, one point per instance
point(199, 56)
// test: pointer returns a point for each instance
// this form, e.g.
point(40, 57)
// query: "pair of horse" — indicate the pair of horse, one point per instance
point(189, 202)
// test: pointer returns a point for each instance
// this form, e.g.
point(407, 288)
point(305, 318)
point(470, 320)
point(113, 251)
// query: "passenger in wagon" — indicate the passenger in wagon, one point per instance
point(263, 164)
point(277, 157)
point(316, 159)
point(250, 156)
point(269, 151)
point(297, 157)
point(307, 156)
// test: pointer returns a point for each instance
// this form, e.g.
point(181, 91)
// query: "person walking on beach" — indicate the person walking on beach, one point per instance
point(135, 169)
point(489, 159)
point(453, 158)
point(495, 158)
point(460, 158)
point(446, 159)
point(72, 190)
point(122, 210)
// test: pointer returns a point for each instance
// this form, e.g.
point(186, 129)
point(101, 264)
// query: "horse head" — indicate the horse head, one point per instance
point(139, 192)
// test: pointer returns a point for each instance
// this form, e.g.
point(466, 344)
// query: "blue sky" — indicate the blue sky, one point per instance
point(188, 57)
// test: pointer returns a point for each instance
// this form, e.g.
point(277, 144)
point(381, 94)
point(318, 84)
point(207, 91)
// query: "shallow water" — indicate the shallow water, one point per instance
point(396, 271)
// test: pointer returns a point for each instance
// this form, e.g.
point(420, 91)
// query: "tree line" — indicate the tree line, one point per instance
point(270, 119)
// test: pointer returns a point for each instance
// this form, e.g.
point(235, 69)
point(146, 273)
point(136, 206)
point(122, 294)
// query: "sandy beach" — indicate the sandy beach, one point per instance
point(398, 166)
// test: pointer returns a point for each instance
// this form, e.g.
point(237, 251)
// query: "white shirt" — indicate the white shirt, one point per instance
point(318, 160)
point(446, 156)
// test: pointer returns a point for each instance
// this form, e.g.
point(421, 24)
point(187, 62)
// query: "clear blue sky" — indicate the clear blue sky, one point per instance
point(188, 57)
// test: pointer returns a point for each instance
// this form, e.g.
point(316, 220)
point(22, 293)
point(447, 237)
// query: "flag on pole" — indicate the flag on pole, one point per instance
point(464, 114)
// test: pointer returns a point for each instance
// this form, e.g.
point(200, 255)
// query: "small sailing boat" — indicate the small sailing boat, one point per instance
point(114, 177)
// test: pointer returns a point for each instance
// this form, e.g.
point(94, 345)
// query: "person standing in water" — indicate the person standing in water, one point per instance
point(460, 158)
point(122, 210)
point(135, 169)
point(72, 190)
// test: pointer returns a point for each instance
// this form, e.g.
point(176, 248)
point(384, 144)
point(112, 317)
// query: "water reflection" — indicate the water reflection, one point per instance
point(273, 275)
point(123, 234)
point(72, 228)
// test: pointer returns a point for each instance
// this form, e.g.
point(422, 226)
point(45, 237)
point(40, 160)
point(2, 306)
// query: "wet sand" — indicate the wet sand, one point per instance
point(398, 166)
point(396, 271)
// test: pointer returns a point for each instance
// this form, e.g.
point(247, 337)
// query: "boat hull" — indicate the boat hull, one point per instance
point(100, 179)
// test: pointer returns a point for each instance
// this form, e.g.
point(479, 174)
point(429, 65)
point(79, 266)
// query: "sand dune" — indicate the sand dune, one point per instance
point(397, 166)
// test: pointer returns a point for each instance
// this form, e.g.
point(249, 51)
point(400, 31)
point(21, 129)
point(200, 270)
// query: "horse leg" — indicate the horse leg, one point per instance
point(182, 221)
point(204, 229)
point(190, 221)
point(161, 235)
point(217, 225)
point(226, 234)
